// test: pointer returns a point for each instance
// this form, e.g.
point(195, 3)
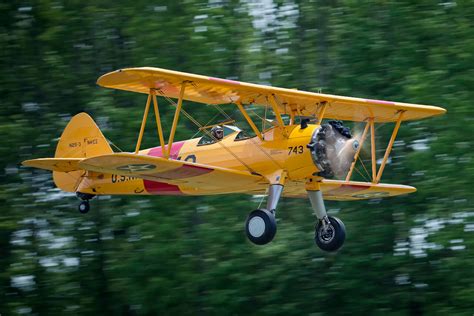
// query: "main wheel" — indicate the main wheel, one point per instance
point(331, 236)
point(84, 207)
point(260, 227)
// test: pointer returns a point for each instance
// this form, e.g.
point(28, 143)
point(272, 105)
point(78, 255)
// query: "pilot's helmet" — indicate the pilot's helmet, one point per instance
point(217, 132)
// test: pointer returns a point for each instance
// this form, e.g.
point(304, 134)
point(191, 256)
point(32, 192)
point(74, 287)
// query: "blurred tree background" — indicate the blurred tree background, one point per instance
point(164, 255)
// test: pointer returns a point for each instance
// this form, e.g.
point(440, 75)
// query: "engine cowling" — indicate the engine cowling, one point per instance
point(333, 149)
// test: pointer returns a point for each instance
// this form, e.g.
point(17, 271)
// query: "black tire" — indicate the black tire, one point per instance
point(333, 238)
point(84, 207)
point(260, 227)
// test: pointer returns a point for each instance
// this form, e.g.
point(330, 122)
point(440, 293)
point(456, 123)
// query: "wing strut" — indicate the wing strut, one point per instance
point(376, 175)
point(361, 143)
point(210, 135)
point(372, 147)
point(389, 147)
point(249, 120)
point(151, 96)
point(142, 128)
point(274, 105)
point(158, 119)
point(321, 112)
point(175, 119)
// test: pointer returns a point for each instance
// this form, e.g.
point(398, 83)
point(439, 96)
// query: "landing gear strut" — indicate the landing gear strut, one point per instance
point(260, 225)
point(330, 232)
point(84, 205)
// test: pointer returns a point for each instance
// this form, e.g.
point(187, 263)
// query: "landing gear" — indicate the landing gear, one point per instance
point(330, 234)
point(84, 206)
point(260, 225)
point(330, 231)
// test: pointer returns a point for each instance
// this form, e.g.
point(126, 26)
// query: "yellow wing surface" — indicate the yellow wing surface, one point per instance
point(350, 190)
point(175, 172)
point(209, 178)
point(211, 90)
point(54, 164)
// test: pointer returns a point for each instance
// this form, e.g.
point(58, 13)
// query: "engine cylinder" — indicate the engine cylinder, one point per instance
point(333, 149)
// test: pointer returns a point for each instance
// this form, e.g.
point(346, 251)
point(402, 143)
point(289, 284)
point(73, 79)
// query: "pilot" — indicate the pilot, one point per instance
point(217, 132)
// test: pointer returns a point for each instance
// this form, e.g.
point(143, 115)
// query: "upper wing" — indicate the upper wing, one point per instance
point(211, 90)
point(175, 172)
point(350, 190)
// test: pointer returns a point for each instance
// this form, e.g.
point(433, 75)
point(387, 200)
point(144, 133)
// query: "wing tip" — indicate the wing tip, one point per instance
point(28, 163)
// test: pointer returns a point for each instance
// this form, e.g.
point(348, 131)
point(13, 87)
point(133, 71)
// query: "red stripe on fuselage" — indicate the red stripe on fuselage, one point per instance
point(175, 148)
point(160, 188)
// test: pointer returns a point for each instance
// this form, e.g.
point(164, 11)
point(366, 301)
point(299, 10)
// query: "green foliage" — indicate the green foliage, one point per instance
point(167, 255)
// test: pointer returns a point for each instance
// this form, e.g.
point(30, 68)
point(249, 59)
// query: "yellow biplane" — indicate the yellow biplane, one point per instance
point(299, 155)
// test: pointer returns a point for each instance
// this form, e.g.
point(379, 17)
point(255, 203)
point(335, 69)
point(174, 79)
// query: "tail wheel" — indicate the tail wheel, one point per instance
point(260, 227)
point(330, 234)
point(84, 207)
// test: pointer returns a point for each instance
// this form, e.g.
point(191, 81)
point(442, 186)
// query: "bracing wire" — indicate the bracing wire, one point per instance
point(263, 198)
point(113, 145)
point(362, 161)
point(264, 121)
point(212, 119)
point(251, 139)
point(208, 133)
point(361, 174)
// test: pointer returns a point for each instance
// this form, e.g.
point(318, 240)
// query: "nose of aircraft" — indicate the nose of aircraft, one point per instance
point(333, 149)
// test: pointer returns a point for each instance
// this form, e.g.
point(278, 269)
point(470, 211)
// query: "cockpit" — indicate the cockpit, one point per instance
point(228, 130)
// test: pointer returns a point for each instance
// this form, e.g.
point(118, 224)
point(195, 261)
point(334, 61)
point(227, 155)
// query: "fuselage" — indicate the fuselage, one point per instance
point(282, 149)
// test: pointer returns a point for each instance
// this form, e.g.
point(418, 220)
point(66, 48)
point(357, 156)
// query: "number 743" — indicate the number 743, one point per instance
point(295, 150)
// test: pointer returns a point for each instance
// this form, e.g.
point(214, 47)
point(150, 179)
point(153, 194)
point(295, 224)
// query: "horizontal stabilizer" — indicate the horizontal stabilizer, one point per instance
point(54, 164)
point(171, 171)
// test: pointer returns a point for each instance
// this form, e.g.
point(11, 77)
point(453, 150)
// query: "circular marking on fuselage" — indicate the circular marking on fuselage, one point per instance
point(137, 167)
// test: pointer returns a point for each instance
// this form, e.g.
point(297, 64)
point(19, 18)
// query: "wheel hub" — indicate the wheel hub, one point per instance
point(326, 234)
point(256, 226)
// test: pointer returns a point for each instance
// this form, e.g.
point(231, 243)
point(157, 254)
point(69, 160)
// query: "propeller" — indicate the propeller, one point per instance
point(333, 149)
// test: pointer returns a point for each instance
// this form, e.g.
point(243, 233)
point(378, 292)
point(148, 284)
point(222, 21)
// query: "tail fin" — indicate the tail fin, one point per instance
point(81, 138)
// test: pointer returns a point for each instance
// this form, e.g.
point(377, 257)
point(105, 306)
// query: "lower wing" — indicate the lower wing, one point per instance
point(339, 190)
point(212, 178)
